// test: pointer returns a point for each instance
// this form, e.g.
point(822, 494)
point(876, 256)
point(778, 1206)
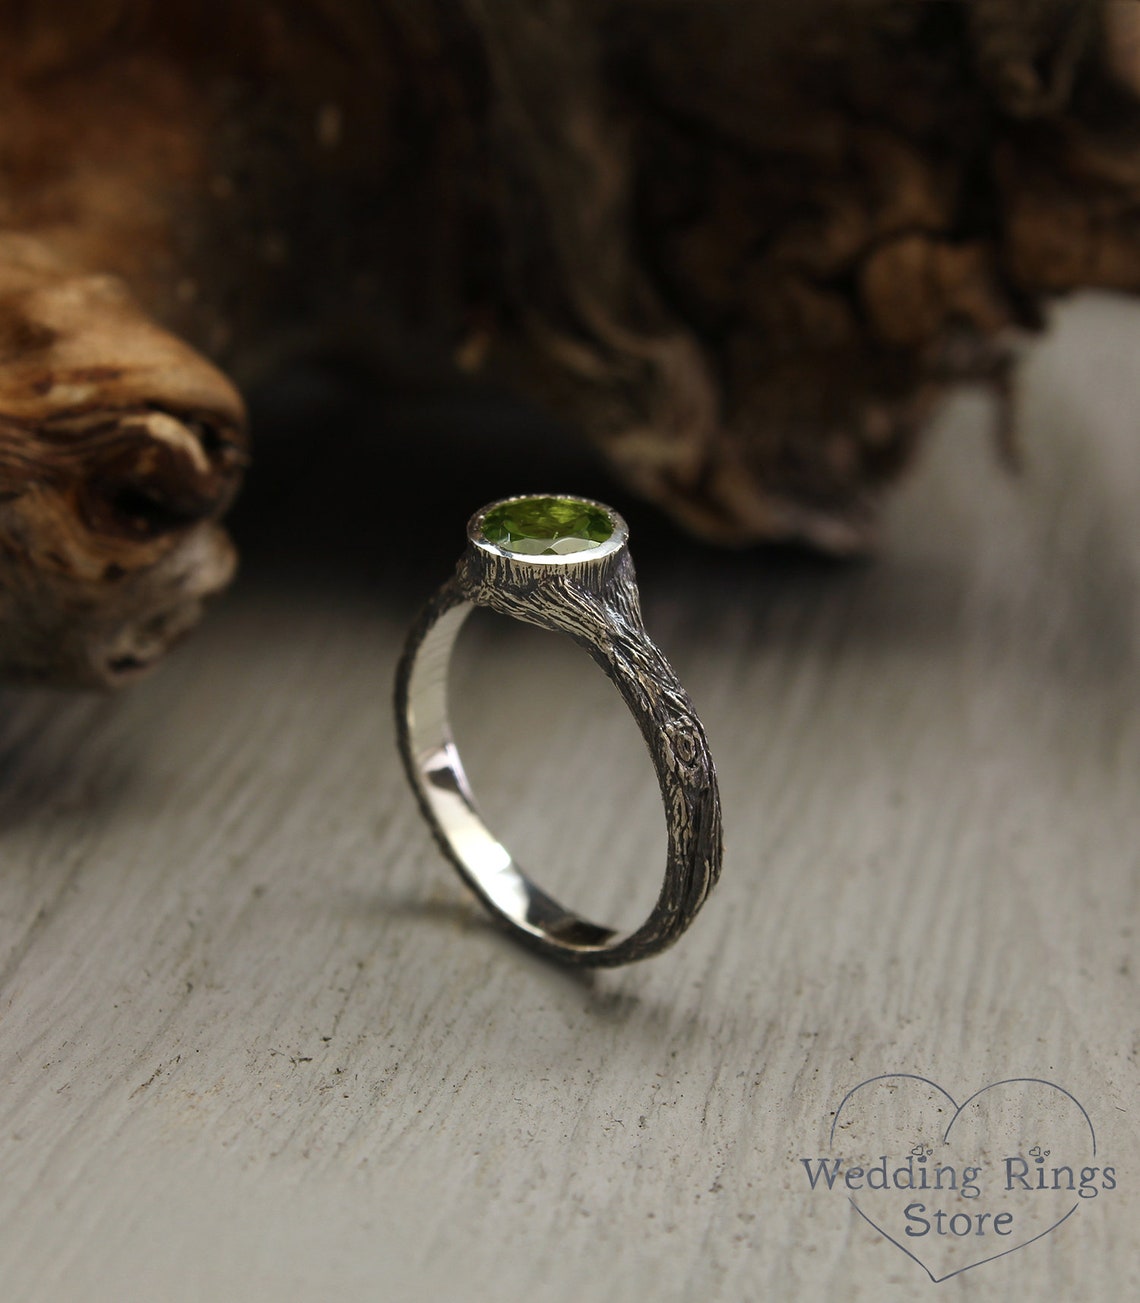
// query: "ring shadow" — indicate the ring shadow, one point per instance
point(609, 1001)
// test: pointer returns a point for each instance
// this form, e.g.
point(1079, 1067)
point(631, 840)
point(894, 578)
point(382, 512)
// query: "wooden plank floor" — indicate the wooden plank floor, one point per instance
point(257, 1043)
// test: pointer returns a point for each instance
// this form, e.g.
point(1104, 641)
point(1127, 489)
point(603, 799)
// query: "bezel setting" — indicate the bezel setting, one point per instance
point(561, 560)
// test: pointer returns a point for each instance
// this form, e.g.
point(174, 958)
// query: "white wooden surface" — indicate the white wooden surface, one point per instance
point(257, 1044)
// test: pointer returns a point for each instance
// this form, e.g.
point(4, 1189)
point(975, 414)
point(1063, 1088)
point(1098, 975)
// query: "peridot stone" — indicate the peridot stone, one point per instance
point(547, 526)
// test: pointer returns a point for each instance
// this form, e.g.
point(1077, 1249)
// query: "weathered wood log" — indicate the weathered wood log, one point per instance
point(744, 247)
point(119, 448)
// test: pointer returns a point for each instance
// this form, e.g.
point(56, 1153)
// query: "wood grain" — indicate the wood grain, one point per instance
point(257, 1043)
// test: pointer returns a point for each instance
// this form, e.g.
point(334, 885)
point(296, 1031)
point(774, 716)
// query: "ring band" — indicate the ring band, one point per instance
point(562, 564)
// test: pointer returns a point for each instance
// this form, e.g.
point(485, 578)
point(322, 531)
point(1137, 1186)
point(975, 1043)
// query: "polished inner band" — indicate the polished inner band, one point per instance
point(482, 858)
point(597, 605)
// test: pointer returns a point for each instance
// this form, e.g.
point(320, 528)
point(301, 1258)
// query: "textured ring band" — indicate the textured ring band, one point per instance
point(562, 564)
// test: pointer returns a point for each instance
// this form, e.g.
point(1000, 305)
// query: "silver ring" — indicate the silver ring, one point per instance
point(561, 563)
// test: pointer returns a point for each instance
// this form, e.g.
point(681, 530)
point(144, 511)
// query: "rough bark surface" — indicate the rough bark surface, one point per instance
point(745, 247)
point(119, 448)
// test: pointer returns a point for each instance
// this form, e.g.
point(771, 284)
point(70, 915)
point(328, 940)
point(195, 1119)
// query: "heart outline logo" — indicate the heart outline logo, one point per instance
point(958, 1110)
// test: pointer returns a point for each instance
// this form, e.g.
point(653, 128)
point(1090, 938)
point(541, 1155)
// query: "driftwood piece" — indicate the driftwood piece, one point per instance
point(745, 247)
point(119, 447)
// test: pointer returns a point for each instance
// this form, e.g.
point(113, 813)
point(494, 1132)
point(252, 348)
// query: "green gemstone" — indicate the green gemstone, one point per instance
point(547, 526)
